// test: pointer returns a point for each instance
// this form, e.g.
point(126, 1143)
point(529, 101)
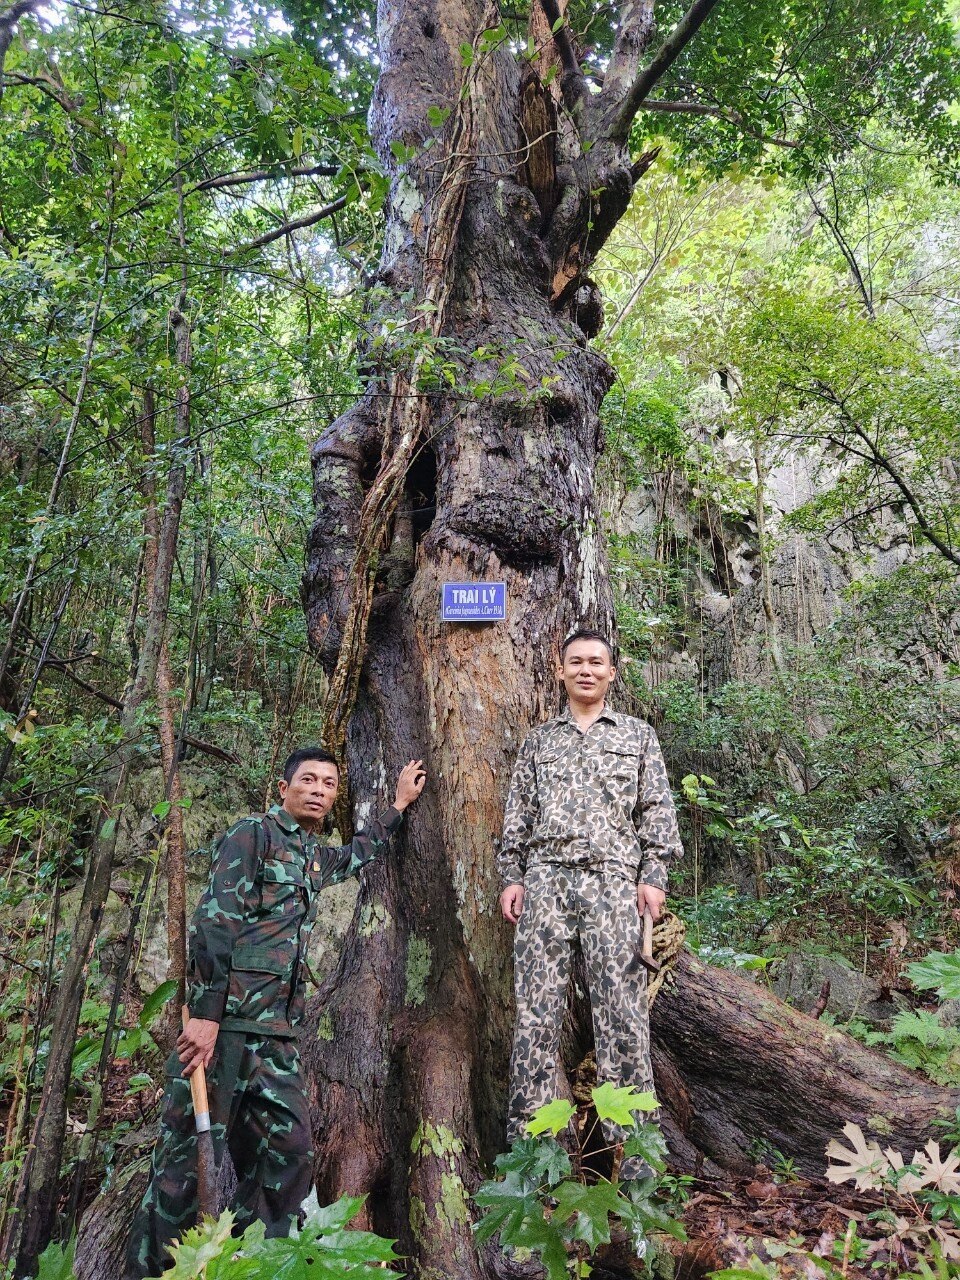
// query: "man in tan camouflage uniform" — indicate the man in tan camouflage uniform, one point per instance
point(588, 834)
point(248, 947)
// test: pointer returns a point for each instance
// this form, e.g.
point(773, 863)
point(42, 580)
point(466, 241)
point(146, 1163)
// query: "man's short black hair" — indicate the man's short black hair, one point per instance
point(302, 755)
point(587, 635)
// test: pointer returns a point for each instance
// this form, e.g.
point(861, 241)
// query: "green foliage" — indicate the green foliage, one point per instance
point(618, 1103)
point(537, 1203)
point(138, 1037)
point(323, 1248)
point(56, 1261)
point(766, 64)
point(551, 1118)
point(811, 879)
point(933, 1267)
point(938, 970)
point(936, 1267)
point(919, 1040)
point(644, 421)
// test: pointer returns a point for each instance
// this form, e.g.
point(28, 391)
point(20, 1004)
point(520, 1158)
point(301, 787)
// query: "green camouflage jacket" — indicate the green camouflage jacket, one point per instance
point(595, 799)
point(251, 929)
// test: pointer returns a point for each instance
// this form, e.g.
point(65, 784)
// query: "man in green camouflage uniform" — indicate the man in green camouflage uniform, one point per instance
point(247, 961)
point(588, 834)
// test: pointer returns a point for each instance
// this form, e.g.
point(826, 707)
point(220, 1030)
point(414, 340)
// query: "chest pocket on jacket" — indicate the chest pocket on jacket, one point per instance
point(557, 790)
point(620, 773)
point(552, 773)
point(281, 884)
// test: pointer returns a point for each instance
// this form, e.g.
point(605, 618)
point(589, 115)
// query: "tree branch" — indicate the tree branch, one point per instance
point(635, 33)
point(705, 109)
point(866, 294)
point(49, 87)
point(308, 220)
point(8, 26)
point(261, 175)
point(662, 61)
point(881, 460)
point(572, 81)
point(884, 463)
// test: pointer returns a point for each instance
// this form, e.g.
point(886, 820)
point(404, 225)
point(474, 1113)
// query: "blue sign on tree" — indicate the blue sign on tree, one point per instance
point(473, 602)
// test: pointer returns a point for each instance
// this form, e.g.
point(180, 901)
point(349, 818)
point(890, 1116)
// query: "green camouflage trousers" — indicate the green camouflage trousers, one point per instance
point(560, 905)
point(258, 1108)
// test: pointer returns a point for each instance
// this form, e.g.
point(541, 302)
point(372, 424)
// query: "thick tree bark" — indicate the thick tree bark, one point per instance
point(409, 1043)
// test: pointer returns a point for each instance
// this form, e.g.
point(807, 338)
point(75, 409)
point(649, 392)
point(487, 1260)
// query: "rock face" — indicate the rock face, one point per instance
point(714, 596)
point(799, 979)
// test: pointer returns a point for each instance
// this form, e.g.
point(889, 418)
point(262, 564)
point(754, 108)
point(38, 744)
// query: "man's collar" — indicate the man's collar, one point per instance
point(280, 815)
point(606, 714)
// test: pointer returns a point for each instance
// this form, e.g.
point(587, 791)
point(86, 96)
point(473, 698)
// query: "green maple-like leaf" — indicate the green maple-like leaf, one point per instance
point(538, 1160)
point(551, 1118)
point(320, 1255)
point(500, 1217)
point(536, 1233)
point(618, 1104)
point(207, 1250)
point(330, 1217)
point(641, 1214)
point(552, 1163)
point(648, 1143)
point(520, 1220)
point(592, 1207)
point(515, 1185)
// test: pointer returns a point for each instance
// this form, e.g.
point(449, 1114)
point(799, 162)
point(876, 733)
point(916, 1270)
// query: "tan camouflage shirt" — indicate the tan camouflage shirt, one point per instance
point(594, 799)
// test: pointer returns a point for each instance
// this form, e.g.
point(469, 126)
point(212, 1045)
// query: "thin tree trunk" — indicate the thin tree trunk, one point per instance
point(37, 1200)
point(169, 746)
point(62, 466)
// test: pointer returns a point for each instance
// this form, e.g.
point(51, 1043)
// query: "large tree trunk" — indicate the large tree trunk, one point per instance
point(409, 1043)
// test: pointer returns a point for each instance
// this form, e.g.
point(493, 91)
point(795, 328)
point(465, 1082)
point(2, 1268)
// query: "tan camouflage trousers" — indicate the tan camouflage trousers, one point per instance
point(560, 906)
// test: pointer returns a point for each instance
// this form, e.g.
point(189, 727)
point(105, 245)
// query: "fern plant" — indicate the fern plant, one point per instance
point(919, 1040)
